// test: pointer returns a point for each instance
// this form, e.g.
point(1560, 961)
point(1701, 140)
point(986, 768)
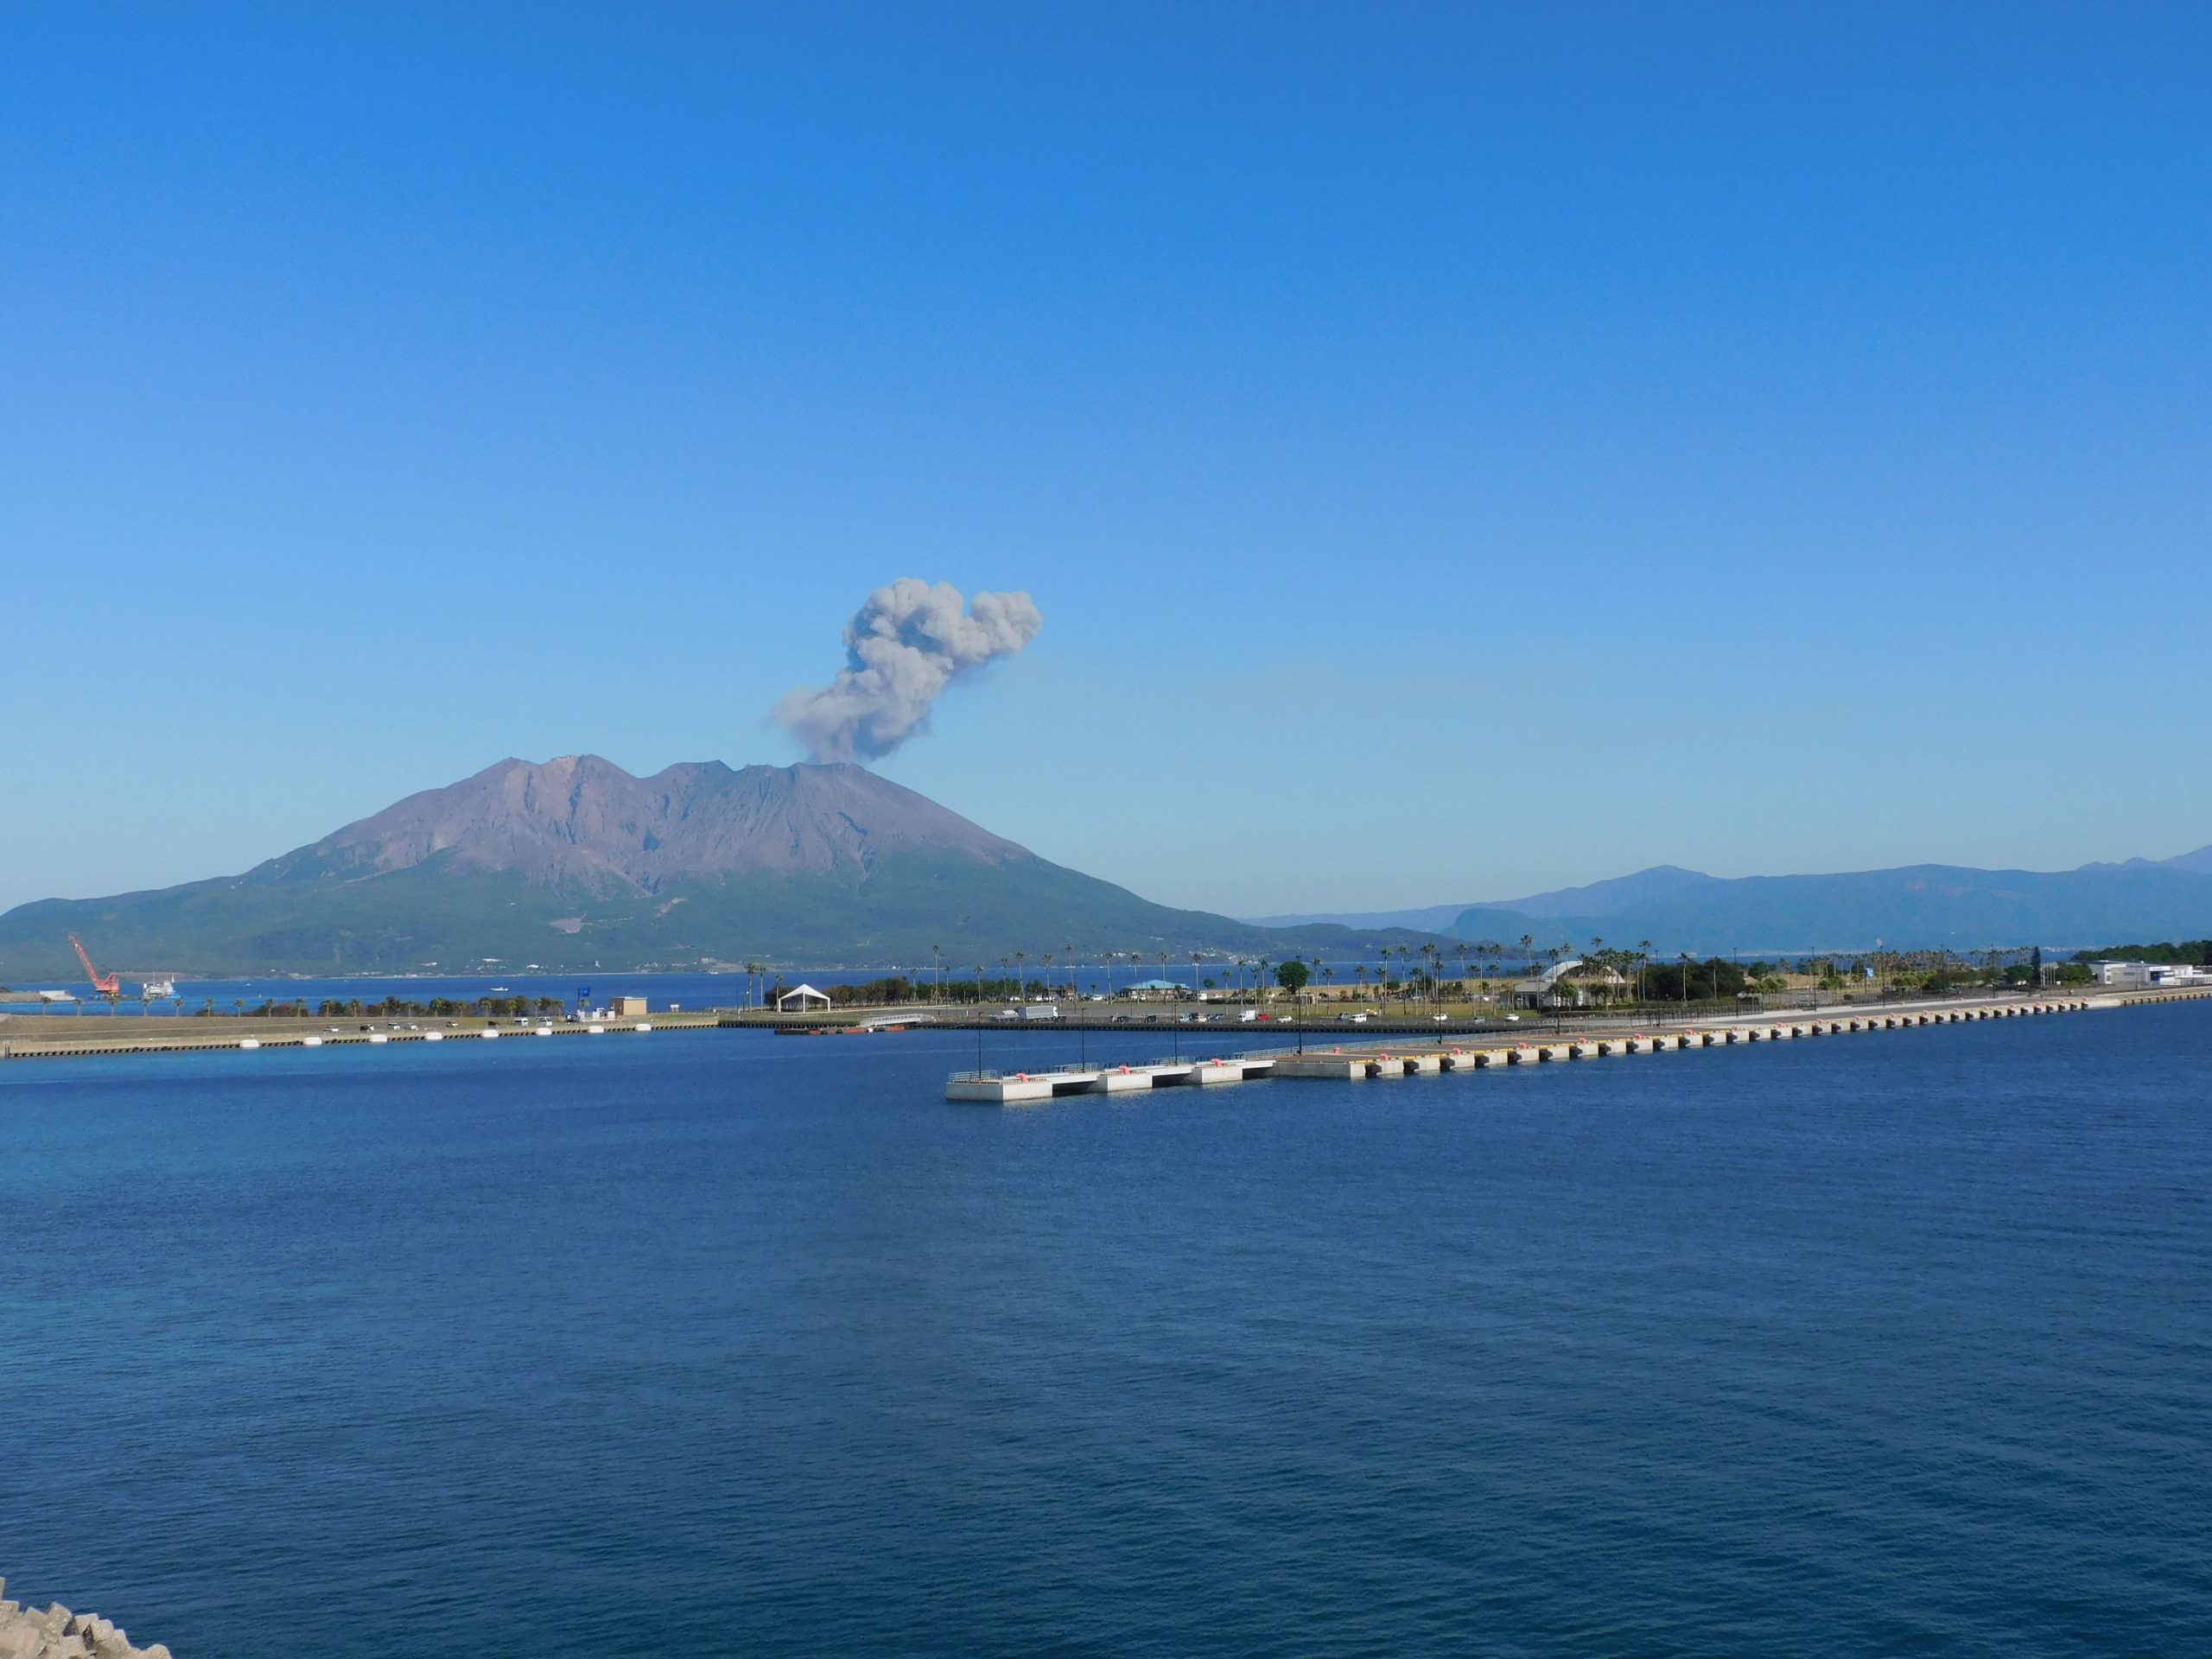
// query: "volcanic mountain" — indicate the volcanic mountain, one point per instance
point(584, 823)
point(574, 863)
point(1918, 906)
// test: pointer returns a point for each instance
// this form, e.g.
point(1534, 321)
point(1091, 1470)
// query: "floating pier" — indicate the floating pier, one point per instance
point(1016, 1087)
point(1357, 1062)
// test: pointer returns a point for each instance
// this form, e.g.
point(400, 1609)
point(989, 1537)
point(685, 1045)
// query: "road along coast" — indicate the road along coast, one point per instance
point(1354, 1062)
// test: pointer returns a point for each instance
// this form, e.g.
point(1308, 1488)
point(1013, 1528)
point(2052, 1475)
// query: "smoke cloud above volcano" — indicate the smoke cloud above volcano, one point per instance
point(903, 648)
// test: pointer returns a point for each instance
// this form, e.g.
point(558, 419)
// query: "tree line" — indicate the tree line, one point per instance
point(395, 1007)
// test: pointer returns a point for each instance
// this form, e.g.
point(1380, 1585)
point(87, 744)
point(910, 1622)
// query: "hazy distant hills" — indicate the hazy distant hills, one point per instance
point(574, 863)
point(1921, 906)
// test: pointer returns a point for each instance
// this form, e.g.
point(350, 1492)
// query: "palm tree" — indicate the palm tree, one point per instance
point(1020, 975)
point(1528, 948)
point(1643, 956)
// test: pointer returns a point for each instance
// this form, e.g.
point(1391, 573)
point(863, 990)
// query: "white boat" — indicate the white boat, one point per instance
point(154, 989)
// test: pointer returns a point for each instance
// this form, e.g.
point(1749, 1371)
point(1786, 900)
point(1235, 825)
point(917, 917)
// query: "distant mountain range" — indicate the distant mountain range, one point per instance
point(1918, 906)
point(574, 864)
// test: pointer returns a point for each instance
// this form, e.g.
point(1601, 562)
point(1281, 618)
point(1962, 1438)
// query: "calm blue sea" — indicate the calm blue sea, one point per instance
point(718, 1344)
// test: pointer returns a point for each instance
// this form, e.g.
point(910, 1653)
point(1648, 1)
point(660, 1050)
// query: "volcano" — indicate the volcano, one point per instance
point(574, 863)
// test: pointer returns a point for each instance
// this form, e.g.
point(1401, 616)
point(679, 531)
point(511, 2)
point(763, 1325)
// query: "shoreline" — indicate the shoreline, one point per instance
point(129, 1035)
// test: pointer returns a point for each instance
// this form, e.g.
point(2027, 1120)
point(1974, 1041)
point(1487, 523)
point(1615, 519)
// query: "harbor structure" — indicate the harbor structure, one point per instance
point(1355, 1062)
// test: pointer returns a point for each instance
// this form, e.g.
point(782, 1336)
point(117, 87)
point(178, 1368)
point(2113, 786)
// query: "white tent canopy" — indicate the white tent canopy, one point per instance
point(801, 997)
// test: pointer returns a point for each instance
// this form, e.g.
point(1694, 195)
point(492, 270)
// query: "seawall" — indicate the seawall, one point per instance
point(57, 1633)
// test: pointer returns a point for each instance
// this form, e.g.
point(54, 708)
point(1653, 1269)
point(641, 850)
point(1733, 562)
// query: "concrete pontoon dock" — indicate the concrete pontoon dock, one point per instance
point(1346, 1062)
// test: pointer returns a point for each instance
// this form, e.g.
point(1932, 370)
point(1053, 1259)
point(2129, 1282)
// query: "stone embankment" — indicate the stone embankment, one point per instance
point(57, 1633)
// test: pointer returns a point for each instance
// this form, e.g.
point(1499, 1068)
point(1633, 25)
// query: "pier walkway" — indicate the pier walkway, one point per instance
point(1350, 1062)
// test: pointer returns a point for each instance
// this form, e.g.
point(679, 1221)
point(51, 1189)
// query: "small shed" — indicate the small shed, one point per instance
point(627, 1007)
point(802, 998)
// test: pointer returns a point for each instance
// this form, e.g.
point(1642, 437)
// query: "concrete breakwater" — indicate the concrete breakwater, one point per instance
point(1354, 1062)
point(57, 1633)
point(36, 1039)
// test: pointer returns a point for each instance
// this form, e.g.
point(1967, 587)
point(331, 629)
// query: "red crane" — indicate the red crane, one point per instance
point(108, 985)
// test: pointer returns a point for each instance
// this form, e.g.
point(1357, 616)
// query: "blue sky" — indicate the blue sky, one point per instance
point(1457, 450)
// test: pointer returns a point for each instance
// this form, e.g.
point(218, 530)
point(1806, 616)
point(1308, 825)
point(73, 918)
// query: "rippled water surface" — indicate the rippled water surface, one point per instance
point(719, 1344)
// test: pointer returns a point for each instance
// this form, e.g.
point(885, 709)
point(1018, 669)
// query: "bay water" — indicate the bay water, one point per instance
point(722, 1344)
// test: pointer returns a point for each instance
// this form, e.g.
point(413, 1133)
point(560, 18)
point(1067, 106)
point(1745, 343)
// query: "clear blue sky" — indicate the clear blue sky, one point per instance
point(1458, 450)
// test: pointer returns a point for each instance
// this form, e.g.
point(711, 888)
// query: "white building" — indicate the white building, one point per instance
point(2149, 975)
point(1155, 990)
